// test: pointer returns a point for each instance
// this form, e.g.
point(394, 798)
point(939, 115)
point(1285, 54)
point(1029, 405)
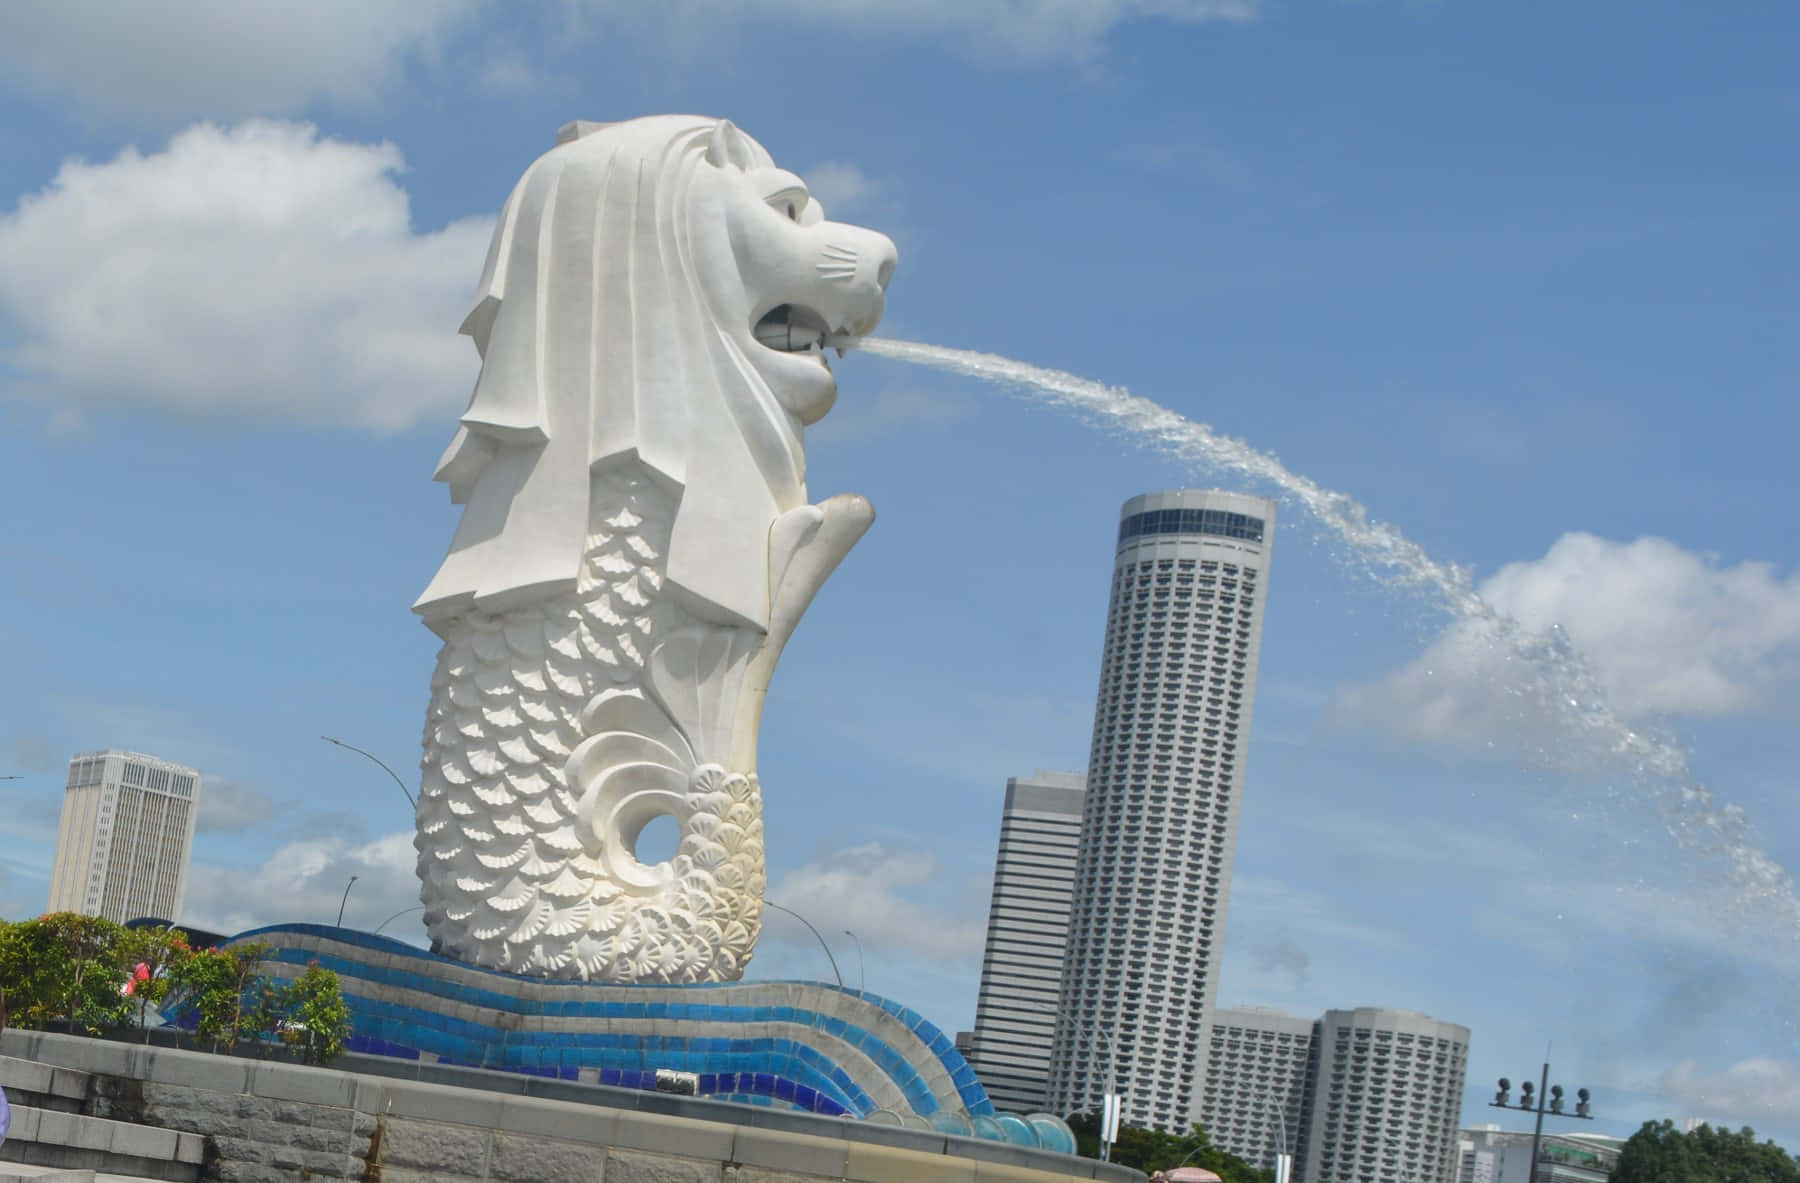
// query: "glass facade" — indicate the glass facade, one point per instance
point(1216, 522)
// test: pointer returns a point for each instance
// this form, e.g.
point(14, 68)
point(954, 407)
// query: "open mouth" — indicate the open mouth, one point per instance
point(794, 328)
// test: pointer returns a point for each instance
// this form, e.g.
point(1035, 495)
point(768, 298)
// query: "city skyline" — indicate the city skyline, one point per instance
point(1516, 282)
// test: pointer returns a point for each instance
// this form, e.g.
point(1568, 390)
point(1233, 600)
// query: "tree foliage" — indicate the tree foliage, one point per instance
point(153, 955)
point(63, 965)
point(230, 1001)
point(1150, 1151)
point(315, 1019)
point(94, 976)
point(1660, 1153)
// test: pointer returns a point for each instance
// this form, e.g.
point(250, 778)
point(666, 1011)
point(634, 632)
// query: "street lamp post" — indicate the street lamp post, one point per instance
point(815, 932)
point(862, 978)
point(1110, 1103)
point(397, 915)
point(381, 763)
point(1547, 1094)
point(345, 900)
point(1284, 1158)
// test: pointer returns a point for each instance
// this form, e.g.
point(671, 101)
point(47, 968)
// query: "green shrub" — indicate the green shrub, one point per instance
point(316, 1021)
point(64, 965)
point(226, 994)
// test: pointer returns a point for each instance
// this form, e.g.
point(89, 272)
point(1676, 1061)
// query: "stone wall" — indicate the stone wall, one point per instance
point(265, 1122)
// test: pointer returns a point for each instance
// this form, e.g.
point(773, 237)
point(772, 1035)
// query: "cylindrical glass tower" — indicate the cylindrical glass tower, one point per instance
point(1159, 823)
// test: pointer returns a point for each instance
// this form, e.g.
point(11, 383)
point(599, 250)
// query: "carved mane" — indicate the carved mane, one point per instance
point(603, 342)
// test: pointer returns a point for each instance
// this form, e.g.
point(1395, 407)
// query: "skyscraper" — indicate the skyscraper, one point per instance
point(1159, 824)
point(1387, 1091)
point(1253, 1099)
point(127, 829)
point(1028, 922)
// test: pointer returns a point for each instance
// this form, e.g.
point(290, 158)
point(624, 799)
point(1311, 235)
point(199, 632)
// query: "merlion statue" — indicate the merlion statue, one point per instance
point(636, 546)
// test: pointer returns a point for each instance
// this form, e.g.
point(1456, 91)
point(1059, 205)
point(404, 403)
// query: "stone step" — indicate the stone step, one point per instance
point(74, 1142)
point(20, 1173)
point(15, 1172)
point(43, 1086)
point(50, 1175)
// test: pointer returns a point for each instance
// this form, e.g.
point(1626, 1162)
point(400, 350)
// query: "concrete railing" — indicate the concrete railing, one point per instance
point(265, 1121)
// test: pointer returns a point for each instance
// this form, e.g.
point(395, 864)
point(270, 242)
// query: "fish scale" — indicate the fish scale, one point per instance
point(508, 695)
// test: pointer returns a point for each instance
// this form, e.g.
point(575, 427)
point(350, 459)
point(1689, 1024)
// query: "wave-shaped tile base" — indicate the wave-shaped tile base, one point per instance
point(808, 1045)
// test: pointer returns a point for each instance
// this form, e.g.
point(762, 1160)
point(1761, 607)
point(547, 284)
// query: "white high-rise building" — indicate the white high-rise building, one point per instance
point(127, 830)
point(1253, 1099)
point(1387, 1092)
point(1159, 825)
point(1028, 922)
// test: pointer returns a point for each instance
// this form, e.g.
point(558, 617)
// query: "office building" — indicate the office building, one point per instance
point(1254, 1097)
point(1028, 923)
point(1165, 779)
point(1489, 1154)
point(127, 830)
point(1387, 1090)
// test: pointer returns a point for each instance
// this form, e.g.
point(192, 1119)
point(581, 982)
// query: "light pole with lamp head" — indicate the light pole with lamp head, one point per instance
point(397, 915)
point(345, 900)
point(1284, 1158)
point(1547, 1094)
point(862, 978)
point(379, 762)
point(1110, 1102)
point(815, 932)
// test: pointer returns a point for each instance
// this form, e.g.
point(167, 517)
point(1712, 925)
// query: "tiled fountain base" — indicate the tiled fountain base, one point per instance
point(804, 1045)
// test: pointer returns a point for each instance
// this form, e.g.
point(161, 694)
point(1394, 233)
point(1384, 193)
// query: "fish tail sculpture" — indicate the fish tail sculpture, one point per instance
point(635, 549)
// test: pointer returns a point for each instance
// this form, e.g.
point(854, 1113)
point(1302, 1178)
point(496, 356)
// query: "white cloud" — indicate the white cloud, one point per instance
point(256, 271)
point(232, 806)
point(219, 58)
point(225, 59)
point(304, 881)
point(1760, 1089)
point(1662, 630)
point(867, 889)
point(510, 73)
point(1030, 30)
point(842, 188)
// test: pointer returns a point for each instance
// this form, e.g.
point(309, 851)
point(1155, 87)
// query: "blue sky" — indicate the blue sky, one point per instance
point(1521, 280)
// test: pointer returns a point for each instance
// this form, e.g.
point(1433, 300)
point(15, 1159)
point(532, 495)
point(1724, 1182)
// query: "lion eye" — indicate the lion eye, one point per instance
point(790, 203)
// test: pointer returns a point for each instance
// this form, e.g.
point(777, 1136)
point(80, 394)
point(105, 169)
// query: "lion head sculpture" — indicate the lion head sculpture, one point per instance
point(657, 291)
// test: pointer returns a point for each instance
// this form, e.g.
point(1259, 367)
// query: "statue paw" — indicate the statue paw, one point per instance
point(805, 547)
